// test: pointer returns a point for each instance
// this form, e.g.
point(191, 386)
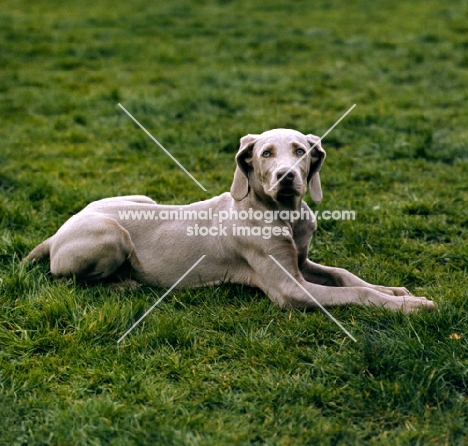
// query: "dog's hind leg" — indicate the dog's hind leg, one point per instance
point(91, 247)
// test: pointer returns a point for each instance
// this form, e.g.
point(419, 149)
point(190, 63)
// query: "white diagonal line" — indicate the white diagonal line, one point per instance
point(308, 151)
point(314, 299)
point(160, 299)
point(162, 147)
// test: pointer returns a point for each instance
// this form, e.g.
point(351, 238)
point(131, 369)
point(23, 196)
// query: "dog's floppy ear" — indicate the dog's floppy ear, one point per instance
point(240, 184)
point(317, 158)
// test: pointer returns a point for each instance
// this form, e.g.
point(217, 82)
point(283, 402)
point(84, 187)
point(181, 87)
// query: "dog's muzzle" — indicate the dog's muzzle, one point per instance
point(287, 180)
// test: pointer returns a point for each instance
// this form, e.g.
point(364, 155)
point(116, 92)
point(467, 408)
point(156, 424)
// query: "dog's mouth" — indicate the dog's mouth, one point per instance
point(287, 187)
point(287, 192)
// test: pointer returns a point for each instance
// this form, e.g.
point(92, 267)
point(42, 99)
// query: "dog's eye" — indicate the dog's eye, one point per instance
point(300, 152)
point(266, 154)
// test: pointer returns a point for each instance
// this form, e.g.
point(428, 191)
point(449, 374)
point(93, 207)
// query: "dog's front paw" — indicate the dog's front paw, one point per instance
point(412, 303)
point(394, 291)
point(400, 291)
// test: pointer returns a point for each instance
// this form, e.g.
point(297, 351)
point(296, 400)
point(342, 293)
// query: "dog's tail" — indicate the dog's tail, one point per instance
point(41, 251)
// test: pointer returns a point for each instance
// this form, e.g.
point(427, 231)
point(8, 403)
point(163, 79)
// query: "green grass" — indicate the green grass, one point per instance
point(223, 365)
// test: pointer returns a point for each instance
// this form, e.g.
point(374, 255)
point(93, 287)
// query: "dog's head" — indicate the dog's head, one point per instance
point(278, 163)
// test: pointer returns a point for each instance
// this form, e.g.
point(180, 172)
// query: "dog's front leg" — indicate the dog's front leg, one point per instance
point(339, 277)
point(280, 278)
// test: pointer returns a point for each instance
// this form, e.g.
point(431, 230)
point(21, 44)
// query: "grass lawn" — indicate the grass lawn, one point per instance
point(223, 365)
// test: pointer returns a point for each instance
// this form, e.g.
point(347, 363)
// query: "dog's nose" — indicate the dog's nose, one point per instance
point(288, 176)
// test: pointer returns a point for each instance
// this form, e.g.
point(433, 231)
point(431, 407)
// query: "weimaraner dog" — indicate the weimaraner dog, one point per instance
point(274, 170)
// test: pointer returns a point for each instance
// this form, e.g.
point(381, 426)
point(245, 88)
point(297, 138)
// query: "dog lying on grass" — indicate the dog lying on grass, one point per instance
point(274, 171)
